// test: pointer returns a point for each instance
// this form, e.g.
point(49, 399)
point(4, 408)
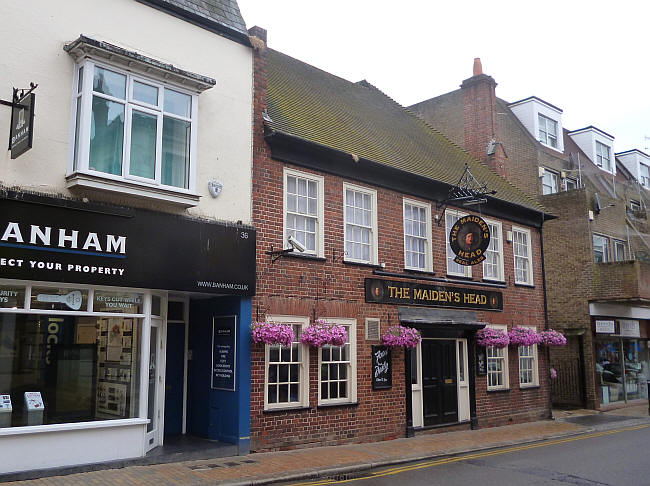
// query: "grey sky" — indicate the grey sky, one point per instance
point(592, 59)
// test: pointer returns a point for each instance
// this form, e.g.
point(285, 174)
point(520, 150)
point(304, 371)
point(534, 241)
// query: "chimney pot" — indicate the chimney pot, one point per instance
point(478, 68)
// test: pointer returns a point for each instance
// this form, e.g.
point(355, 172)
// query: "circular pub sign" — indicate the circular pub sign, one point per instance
point(469, 238)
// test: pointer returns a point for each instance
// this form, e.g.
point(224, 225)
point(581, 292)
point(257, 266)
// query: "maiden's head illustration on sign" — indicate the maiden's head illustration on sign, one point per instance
point(469, 238)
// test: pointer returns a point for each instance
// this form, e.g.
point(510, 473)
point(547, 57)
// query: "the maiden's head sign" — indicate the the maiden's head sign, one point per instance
point(469, 238)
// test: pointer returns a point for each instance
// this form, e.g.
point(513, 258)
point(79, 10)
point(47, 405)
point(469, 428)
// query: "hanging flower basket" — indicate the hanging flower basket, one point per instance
point(488, 337)
point(552, 338)
point(523, 336)
point(401, 336)
point(322, 333)
point(272, 333)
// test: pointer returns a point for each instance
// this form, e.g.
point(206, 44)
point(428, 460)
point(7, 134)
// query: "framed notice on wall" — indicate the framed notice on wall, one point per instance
point(224, 352)
point(481, 361)
point(382, 368)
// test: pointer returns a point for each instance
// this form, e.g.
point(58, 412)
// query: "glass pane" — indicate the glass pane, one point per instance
point(109, 82)
point(334, 388)
point(145, 93)
point(273, 394)
point(283, 393)
point(274, 354)
point(143, 145)
point(323, 391)
point(293, 396)
point(176, 152)
point(178, 103)
point(77, 128)
point(153, 363)
point(273, 373)
point(284, 373)
point(80, 80)
point(156, 305)
point(293, 374)
point(51, 298)
point(12, 297)
point(124, 302)
point(609, 371)
point(106, 136)
point(65, 359)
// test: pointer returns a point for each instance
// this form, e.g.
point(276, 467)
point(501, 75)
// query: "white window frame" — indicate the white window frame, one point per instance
point(320, 210)
point(428, 264)
point(374, 251)
point(535, 365)
point(605, 239)
point(500, 267)
point(81, 166)
point(529, 257)
point(569, 180)
point(644, 175)
point(618, 244)
point(601, 157)
point(505, 385)
point(553, 184)
point(635, 205)
point(545, 136)
point(303, 388)
point(467, 270)
point(351, 324)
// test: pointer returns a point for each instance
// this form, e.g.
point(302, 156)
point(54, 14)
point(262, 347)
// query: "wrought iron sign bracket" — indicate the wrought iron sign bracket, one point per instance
point(15, 97)
point(467, 191)
point(275, 254)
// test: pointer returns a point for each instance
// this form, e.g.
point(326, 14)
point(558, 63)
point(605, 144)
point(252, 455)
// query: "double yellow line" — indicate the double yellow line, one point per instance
point(449, 460)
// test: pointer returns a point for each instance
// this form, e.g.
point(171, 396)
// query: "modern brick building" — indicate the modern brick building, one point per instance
point(595, 253)
point(360, 183)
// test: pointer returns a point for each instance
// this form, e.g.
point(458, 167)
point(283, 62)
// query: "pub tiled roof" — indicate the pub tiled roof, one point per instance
point(223, 12)
point(359, 119)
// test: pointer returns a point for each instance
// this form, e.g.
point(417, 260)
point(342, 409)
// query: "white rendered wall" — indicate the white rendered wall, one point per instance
point(28, 451)
point(632, 162)
point(586, 140)
point(527, 112)
point(33, 38)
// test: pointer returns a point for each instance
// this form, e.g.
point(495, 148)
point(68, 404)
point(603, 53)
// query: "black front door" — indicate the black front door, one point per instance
point(439, 387)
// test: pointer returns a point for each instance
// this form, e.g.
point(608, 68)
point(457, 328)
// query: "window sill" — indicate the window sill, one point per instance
point(297, 254)
point(100, 424)
point(529, 387)
point(530, 286)
point(87, 181)
point(287, 409)
point(498, 390)
point(361, 264)
point(345, 404)
point(459, 277)
point(415, 271)
point(500, 283)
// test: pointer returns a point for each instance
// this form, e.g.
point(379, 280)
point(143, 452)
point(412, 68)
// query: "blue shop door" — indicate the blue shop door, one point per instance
point(174, 379)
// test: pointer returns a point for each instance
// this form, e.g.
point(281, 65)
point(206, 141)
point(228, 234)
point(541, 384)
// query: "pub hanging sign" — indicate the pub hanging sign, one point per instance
point(469, 238)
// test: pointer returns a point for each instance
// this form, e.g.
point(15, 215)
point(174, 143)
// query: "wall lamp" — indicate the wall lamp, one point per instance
point(295, 245)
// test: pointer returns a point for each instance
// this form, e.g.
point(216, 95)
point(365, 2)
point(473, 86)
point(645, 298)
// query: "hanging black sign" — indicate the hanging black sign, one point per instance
point(100, 245)
point(469, 237)
point(382, 368)
point(380, 291)
point(22, 125)
point(224, 352)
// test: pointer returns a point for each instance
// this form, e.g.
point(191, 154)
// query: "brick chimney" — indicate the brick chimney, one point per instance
point(480, 120)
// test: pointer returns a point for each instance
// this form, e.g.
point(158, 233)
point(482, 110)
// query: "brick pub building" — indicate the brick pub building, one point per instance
point(359, 182)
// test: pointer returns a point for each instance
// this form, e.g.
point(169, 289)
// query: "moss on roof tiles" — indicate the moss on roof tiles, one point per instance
point(357, 118)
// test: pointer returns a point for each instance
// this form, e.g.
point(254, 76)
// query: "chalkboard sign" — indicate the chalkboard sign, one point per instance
point(382, 368)
point(224, 352)
point(481, 361)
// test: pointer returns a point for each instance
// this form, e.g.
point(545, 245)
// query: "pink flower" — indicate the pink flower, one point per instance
point(488, 337)
point(553, 373)
point(552, 338)
point(523, 336)
point(272, 333)
point(322, 333)
point(401, 336)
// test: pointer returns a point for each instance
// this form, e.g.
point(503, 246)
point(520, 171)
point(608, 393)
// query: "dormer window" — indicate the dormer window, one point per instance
point(644, 175)
point(602, 156)
point(547, 131)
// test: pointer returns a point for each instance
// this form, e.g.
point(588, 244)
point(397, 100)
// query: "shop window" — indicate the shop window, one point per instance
point(497, 365)
point(493, 263)
point(360, 206)
point(121, 302)
point(528, 366)
point(337, 368)
point(303, 210)
point(549, 182)
point(521, 247)
point(85, 368)
point(12, 296)
point(454, 268)
point(286, 375)
point(134, 129)
point(67, 299)
point(601, 249)
point(417, 236)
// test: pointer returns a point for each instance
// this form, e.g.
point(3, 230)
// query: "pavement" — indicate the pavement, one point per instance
point(324, 462)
